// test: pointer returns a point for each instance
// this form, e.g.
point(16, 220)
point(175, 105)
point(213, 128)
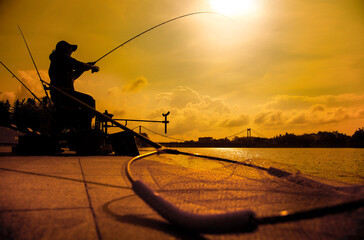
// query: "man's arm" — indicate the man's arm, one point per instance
point(80, 68)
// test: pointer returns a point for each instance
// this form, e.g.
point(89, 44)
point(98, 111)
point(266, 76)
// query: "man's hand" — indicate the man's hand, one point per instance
point(95, 69)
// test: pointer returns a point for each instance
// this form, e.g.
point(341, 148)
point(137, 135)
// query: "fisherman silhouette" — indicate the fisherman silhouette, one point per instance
point(63, 71)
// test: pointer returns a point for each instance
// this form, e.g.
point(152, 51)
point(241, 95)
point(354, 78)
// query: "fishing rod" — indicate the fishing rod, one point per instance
point(156, 26)
point(23, 84)
point(31, 56)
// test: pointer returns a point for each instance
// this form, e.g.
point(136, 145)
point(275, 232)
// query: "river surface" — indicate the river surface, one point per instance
point(340, 164)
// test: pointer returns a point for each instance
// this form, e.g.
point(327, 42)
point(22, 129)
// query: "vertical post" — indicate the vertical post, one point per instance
point(165, 124)
point(140, 129)
point(105, 126)
point(165, 121)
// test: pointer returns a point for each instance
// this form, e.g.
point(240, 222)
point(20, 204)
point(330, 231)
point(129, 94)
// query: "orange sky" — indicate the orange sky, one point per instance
point(279, 66)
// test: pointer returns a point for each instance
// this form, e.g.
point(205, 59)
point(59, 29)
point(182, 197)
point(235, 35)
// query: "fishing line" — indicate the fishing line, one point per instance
point(156, 26)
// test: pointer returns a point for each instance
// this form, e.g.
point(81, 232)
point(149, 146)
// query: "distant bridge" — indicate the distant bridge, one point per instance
point(248, 132)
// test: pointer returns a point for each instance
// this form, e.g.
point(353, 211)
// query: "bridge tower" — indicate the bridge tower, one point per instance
point(248, 132)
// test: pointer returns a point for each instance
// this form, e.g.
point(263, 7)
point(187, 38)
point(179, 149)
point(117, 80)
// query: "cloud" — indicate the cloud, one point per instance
point(115, 102)
point(309, 111)
point(184, 97)
point(180, 97)
point(30, 79)
point(136, 85)
point(270, 118)
point(193, 114)
point(287, 102)
point(115, 91)
point(239, 121)
point(11, 96)
point(123, 101)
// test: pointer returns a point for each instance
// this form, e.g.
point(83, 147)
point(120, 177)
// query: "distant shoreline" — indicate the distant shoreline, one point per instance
point(182, 145)
point(288, 140)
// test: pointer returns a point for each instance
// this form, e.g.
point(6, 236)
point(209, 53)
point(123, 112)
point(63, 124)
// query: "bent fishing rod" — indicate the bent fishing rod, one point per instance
point(154, 27)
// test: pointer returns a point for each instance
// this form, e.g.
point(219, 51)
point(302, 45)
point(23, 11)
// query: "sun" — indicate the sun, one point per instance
point(235, 7)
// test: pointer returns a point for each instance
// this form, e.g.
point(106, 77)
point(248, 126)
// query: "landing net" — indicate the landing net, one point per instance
point(204, 185)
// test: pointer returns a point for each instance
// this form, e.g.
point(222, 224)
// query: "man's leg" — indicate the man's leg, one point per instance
point(85, 115)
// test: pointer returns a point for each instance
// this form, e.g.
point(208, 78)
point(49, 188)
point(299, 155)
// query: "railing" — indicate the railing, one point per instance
point(104, 125)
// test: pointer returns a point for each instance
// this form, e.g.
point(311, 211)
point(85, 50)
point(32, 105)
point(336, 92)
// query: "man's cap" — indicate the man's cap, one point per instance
point(63, 45)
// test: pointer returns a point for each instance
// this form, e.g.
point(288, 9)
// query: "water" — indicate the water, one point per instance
point(339, 164)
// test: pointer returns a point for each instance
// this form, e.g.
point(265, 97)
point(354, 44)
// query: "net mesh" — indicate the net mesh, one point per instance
point(205, 186)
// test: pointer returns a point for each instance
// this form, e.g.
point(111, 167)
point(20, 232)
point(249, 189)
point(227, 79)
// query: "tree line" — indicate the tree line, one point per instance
point(25, 114)
point(319, 139)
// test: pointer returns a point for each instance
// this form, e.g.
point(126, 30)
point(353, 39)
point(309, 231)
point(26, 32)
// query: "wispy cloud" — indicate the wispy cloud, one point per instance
point(136, 85)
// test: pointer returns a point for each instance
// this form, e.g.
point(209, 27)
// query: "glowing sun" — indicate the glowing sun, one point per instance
point(235, 7)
